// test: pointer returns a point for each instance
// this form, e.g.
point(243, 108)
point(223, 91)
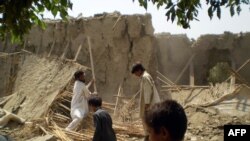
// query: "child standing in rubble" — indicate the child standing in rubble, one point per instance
point(79, 103)
point(102, 121)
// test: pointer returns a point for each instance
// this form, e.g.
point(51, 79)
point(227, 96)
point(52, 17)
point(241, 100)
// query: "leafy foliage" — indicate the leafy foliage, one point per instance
point(184, 11)
point(17, 16)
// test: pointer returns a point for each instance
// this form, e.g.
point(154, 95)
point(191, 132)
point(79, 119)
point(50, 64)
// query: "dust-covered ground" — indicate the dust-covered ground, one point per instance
point(204, 124)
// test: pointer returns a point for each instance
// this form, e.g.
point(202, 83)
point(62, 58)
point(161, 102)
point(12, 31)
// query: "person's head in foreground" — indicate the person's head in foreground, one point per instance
point(166, 121)
point(79, 75)
point(94, 102)
point(137, 69)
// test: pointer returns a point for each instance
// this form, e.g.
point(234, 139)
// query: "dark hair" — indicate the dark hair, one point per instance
point(78, 74)
point(168, 114)
point(136, 67)
point(95, 101)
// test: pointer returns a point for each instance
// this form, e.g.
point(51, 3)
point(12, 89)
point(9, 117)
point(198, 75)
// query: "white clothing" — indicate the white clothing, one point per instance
point(79, 104)
point(148, 92)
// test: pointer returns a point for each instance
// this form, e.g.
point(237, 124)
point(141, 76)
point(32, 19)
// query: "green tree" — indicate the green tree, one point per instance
point(185, 11)
point(17, 16)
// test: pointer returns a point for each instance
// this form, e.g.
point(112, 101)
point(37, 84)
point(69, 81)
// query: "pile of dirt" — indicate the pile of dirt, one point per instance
point(207, 124)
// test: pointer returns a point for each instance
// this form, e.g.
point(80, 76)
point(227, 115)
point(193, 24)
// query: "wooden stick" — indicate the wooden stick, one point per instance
point(116, 22)
point(61, 116)
point(52, 48)
point(92, 64)
point(26, 51)
point(165, 78)
point(43, 129)
point(191, 74)
point(171, 83)
point(65, 50)
point(243, 65)
point(184, 69)
point(121, 96)
point(186, 86)
point(9, 54)
point(232, 81)
point(78, 51)
point(163, 81)
point(6, 99)
point(108, 104)
point(63, 106)
point(117, 99)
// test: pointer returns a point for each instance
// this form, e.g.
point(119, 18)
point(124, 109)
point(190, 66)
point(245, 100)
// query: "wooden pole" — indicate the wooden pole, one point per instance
point(52, 48)
point(77, 53)
point(116, 22)
point(92, 64)
point(232, 81)
point(65, 50)
point(243, 65)
point(172, 83)
point(163, 81)
point(117, 99)
point(184, 69)
point(191, 74)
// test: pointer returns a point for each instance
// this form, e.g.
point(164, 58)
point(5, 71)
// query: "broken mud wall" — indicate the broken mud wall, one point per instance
point(212, 49)
point(9, 67)
point(120, 40)
point(173, 52)
point(37, 83)
point(117, 42)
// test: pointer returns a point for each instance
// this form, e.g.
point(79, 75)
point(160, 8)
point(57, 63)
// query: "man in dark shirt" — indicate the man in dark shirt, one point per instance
point(102, 121)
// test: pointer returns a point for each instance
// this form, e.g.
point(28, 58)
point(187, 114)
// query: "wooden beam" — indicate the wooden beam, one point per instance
point(185, 86)
point(232, 81)
point(243, 65)
point(117, 99)
point(168, 80)
point(65, 50)
point(108, 104)
point(163, 81)
point(52, 48)
point(184, 69)
point(3, 54)
point(26, 51)
point(77, 53)
point(65, 107)
point(118, 19)
point(191, 74)
point(92, 63)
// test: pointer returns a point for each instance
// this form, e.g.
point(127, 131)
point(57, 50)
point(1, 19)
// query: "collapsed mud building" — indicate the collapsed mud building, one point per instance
point(208, 76)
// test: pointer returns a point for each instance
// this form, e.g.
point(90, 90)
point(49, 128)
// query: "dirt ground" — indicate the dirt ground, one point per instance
point(203, 124)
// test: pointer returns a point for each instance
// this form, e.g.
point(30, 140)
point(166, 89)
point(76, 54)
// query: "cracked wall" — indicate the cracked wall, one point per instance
point(117, 42)
point(120, 40)
point(227, 47)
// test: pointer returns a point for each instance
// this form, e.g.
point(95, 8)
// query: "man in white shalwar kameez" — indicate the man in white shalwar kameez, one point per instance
point(148, 92)
point(79, 103)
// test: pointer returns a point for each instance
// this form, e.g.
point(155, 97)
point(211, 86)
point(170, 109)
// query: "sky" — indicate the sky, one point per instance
point(234, 24)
